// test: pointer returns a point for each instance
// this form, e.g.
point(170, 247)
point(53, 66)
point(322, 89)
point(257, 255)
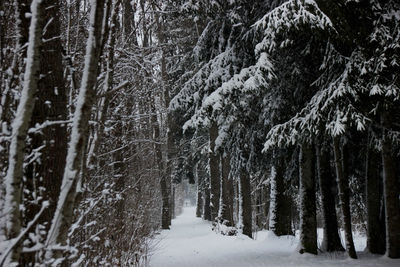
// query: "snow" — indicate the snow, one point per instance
point(191, 243)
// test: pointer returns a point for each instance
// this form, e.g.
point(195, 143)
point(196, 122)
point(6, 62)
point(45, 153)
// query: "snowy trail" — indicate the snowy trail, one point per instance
point(191, 243)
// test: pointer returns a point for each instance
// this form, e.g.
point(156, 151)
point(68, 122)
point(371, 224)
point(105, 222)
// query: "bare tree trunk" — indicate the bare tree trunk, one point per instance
point(215, 179)
point(172, 205)
point(375, 238)
point(63, 217)
point(331, 240)
point(245, 203)
point(200, 190)
point(391, 193)
point(20, 127)
point(225, 213)
point(279, 212)
point(108, 85)
point(50, 106)
point(206, 207)
point(308, 222)
point(165, 213)
point(199, 202)
point(166, 179)
point(343, 185)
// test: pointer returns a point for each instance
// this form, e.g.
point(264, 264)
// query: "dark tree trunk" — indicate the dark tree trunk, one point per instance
point(391, 193)
point(206, 207)
point(51, 105)
point(200, 191)
point(343, 185)
point(215, 180)
point(375, 238)
point(245, 195)
point(172, 204)
point(226, 203)
point(280, 204)
point(63, 216)
point(165, 203)
point(199, 203)
point(308, 222)
point(331, 240)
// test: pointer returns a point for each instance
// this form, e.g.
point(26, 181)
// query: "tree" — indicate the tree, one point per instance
point(331, 240)
point(63, 216)
point(20, 127)
point(48, 133)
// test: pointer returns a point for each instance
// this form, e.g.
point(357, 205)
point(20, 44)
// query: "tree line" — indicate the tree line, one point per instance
point(86, 156)
point(292, 110)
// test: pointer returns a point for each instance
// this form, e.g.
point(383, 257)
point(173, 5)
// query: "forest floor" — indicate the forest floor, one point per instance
point(190, 243)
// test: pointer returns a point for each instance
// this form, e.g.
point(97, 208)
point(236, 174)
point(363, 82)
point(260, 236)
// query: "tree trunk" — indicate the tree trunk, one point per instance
point(50, 106)
point(20, 127)
point(172, 203)
point(165, 218)
point(63, 217)
point(199, 202)
point(344, 197)
point(280, 206)
point(215, 179)
point(166, 187)
point(225, 213)
point(245, 203)
point(308, 222)
point(107, 87)
point(391, 193)
point(206, 207)
point(331, 240)
point(375, 238)
point(165, 213)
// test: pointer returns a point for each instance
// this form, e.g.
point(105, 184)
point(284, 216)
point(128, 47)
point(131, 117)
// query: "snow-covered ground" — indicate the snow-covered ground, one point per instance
point(190, 242)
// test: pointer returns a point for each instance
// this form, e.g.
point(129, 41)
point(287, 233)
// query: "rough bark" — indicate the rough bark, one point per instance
point(171, 125)
point(245, 203)
point(215, 179)
point(280, 203)
point(51, 105)
point(344, 197)
point(172, 204)
point(63, 217)
point(206, 207)
point(165, 214)
point(225, 213)
point(199, 202)
point(308, 222)
point(375, 238)
point(200, 191)
point(391, 193)
point(331, 240)
point(20, 127)
point(165, 180)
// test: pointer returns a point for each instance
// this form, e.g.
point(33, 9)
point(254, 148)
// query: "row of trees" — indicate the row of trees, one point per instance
point(276, 99)
point(290, 106)
point(86, 155)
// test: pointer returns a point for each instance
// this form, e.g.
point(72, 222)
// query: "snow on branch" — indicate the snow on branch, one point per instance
point(330, 111)
point(206, 80)
point(292, 14)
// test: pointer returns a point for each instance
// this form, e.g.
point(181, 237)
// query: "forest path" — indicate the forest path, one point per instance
point(191, 243)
